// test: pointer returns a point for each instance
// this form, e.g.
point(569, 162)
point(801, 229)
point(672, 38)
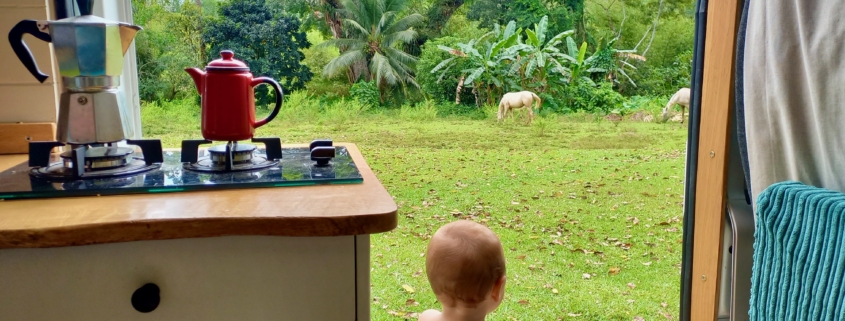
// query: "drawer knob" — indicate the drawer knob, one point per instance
point(146, 298)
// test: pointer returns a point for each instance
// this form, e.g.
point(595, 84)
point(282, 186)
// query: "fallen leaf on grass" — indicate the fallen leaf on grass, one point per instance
point(585, 276)
point(632, 285)
point(520, 257)
point(639, 318)
point(523, 302)
point(663, 304)
point(574, 315)
point(408, 288)
point(614, 271)
point(647, 263)
point(554, 291)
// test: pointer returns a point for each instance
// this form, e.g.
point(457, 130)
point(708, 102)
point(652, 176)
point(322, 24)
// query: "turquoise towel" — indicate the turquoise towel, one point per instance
point(799, 254)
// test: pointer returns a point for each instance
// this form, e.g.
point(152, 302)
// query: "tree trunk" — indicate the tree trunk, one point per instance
point(458, 90)
point(199, 4)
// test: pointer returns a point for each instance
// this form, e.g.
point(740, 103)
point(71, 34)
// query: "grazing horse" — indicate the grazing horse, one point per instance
point(681, 98)
point(522, 99)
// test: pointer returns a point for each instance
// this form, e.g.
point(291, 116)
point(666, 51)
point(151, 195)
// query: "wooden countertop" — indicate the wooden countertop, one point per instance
point(320, 210)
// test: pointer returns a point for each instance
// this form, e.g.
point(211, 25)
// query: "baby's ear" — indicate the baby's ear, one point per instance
point(499, 289)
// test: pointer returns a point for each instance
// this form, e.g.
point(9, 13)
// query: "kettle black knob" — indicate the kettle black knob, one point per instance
point(146, 298)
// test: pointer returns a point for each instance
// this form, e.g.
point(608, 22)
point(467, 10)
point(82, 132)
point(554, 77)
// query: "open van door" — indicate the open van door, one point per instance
point(718, 221)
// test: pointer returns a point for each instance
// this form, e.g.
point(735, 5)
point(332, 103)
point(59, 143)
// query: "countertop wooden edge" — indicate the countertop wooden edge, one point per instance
point(164, 229)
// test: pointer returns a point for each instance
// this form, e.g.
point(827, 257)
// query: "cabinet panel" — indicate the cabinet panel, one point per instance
point(223, 278)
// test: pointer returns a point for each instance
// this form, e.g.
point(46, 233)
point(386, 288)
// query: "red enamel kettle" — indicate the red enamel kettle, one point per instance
point(228, 101)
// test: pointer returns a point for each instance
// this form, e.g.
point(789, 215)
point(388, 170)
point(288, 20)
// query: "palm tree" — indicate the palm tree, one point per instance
point(375, 37)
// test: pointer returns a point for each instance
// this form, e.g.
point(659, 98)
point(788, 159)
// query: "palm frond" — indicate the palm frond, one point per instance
point(343, 42)
point(343, 62)
point(357, 27)
point(385, 22)
point(394, 5)
point(381, 68)
point(401, 56)
point(406, 36)
point(405, 23)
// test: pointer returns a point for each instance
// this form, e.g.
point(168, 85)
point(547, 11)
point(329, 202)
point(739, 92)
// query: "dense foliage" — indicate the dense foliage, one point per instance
point(179, 34)
point(577, 55)
point(268, 43)
point(170, 42)
point(525, 13)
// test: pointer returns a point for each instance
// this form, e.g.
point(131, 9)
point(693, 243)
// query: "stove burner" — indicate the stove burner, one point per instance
point(241, 154)
point(231, 157)
point(100, 158)
point(96, 161)
point(58, 171)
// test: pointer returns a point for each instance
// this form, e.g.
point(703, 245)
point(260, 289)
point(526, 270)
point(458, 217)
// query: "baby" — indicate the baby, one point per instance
point(465, 264)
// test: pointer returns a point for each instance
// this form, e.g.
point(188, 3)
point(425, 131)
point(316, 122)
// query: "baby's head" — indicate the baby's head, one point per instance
point(465, 265)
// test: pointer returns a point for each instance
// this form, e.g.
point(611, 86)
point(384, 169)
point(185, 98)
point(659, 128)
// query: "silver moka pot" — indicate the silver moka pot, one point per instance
point(89, 51)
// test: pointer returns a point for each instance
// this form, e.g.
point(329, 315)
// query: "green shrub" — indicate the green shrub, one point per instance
point(592, 99)
point(366, 93)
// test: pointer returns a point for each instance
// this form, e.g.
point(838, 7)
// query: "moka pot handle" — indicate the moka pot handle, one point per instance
point(279, 97)
point(20, 48)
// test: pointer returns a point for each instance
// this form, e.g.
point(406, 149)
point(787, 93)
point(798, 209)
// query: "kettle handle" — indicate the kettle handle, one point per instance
point(279, 96)
point(20, 48)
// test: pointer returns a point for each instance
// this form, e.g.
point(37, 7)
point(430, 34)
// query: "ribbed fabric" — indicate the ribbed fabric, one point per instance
point(799, 254)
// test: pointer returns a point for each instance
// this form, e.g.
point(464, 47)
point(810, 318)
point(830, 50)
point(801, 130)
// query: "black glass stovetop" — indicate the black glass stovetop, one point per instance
point(294, 169)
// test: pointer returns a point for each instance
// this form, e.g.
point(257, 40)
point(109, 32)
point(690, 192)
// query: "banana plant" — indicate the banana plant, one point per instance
point(540, 55)
point(579, 64)
point(489, 58)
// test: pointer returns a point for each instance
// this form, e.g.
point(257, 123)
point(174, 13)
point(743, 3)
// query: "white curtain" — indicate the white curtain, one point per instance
point(121, 10)
point(794, 83)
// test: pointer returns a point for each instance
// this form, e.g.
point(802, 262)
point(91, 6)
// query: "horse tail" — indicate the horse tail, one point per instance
point(539, 101)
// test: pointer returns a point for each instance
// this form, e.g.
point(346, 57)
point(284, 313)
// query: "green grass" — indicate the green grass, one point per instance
point(569, 196)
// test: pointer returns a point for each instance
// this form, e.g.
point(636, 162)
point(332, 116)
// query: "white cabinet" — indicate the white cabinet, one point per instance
point(221, 278)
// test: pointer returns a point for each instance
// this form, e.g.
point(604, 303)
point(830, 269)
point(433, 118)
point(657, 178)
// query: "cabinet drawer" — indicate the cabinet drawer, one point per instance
point(221, 278)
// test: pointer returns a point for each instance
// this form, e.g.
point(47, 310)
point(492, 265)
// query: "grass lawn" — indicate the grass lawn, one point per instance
point(589, 212)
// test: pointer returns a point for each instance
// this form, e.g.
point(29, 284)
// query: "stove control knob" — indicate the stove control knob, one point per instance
point(146, 298)
point(322, 155)
point(320, 142)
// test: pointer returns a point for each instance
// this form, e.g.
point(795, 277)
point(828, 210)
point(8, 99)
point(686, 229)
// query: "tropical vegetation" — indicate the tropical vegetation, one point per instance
point(587, 197)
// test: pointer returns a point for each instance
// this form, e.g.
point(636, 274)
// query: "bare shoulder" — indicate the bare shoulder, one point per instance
point(430, 315)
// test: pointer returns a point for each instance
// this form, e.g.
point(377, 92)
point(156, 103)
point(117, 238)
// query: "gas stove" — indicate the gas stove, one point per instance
point(143, 167)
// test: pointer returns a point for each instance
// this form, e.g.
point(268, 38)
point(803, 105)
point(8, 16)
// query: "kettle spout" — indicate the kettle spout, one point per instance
point(127, 34)
point(197, 74)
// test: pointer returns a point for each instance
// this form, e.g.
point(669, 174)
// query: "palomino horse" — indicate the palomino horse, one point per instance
point(681, 98)
point(522, 99)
